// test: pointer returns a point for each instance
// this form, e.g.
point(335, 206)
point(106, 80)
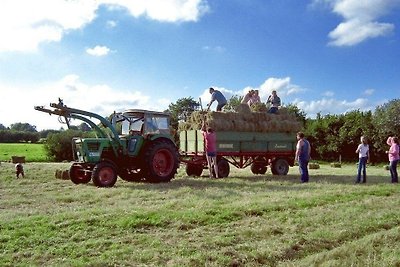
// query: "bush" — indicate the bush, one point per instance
point(59, 145)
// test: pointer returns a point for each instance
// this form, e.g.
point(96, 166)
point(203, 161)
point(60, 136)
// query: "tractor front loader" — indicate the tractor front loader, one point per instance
point(135, 145)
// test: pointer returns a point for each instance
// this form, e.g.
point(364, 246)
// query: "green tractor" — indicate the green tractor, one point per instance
point(136, 145)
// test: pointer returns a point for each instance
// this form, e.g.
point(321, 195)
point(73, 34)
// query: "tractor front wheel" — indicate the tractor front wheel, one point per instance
point(104, 174)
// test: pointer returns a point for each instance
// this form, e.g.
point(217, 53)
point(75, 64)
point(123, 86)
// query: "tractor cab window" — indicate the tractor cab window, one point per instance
point(132, 126)
point(157, 125)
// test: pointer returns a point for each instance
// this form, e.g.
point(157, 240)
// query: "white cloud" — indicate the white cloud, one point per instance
point(331, 106)
point(165, 10)
point(98, 51)
point(353, 32)
point(24, 25)
point(369, 92)
point(218, 49)
point(111, 24)
point(360, 20)
point(282, 86)
point(98, 98)
point(328, 94)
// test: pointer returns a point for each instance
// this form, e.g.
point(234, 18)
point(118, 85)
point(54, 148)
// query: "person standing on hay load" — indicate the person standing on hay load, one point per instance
point(303, 151)
point(247, 97)
point(363, 157)
point(275, 102)
point(217, 95)
point(19, 170)
point(255, 98)
point(393, 154)
point(210, 143)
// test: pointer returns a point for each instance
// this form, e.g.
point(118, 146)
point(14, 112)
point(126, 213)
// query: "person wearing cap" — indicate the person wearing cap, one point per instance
point(217, 96)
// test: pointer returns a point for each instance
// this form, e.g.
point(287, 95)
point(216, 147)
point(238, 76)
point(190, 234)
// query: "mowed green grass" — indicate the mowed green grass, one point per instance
point(32, 152)
point(243, 220)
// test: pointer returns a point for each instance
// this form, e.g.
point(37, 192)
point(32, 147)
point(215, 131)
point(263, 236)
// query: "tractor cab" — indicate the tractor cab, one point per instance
point(143, 122)
point(138, 125)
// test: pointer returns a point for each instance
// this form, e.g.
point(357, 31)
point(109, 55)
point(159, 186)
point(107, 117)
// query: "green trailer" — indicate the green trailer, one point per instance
point(240, 149)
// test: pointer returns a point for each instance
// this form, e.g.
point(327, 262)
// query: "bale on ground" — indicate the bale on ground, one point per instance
point(313, 165)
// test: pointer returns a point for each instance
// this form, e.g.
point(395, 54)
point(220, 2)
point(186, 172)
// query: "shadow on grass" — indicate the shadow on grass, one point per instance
point(233, 185)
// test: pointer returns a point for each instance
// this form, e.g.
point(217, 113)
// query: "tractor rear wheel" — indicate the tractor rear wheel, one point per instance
point(104, 174)
point(161, 160)
point(78, 175)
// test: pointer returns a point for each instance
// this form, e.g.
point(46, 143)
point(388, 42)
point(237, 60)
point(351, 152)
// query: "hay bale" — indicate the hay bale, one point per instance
point(313, 165)
point(244, 120)
point(386, 167)
point(243, 108)
point(18, 159)
point(65, 175)
point(336, 165)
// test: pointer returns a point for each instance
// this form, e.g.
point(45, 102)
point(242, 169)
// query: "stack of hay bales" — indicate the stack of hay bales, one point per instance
point(244, 120)
point(62, 174)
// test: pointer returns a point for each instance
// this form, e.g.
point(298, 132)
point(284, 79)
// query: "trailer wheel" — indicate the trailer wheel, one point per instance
point(280, 167)
point(78, 175)
point(223, 168)
point(194, 169)
point(104, 174)
point(258, 168)
point(161, 160)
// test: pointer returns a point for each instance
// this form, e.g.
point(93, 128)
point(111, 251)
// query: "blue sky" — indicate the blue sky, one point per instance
point(328, 56)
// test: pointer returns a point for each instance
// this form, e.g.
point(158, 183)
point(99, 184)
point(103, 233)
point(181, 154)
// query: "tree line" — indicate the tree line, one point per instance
point(333, 136)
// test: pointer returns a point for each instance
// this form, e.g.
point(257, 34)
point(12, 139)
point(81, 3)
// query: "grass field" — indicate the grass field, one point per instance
point(244, 220)
point(32, 152)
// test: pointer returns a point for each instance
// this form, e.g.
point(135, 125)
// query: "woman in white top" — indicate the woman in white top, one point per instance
point(363, 157)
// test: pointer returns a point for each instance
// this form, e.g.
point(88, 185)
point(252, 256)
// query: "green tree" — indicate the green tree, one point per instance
point(386, 120)
point(23, 127)
point(233, 103)
point(300, 114)
point(59, 145)
point(2, 127)
point(181, 110)
point(355, 124)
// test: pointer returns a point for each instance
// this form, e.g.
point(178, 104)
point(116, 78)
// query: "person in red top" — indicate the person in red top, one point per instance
point(210, 143)
point(393, 154)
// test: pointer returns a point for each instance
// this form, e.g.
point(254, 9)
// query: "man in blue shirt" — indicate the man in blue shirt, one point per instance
point(217, 95)
point(303, 150)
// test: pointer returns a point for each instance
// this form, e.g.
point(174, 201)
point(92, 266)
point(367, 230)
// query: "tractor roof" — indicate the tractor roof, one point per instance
point(141, 112)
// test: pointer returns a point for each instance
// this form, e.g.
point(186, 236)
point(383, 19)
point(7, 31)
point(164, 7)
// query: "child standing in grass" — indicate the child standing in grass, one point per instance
point(363, 157)
point(393, 154)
